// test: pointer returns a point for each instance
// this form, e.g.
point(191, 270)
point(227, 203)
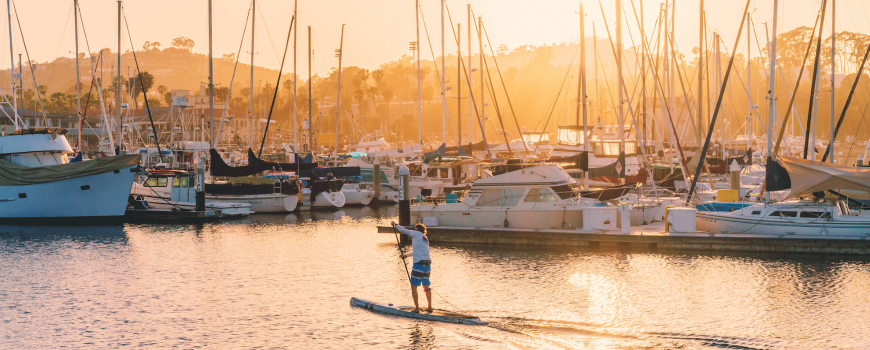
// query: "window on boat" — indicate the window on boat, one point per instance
point(176, 182)
point(540, 195)
point(445, 173)
point(611, 148)
point(785, 214)
point(156, 182)
point(563, 191)
point(499, 197)
point(816, 214)
point(756, 212)
point(185, 182)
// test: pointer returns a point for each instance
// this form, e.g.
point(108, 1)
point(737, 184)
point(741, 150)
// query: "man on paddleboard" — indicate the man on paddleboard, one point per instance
point(422, 262)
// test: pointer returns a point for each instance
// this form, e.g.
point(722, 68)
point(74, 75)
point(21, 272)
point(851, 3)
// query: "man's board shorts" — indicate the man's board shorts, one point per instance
point(420, 273)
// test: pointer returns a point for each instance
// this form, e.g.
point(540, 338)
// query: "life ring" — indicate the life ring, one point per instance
point(299, 185)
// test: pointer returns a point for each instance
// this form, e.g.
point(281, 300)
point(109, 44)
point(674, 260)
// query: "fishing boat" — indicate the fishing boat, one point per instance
point(37, 180)
point(175, 189)
point(407, 311)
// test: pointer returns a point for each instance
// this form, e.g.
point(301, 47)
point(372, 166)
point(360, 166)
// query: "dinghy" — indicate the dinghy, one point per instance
point(407, 311)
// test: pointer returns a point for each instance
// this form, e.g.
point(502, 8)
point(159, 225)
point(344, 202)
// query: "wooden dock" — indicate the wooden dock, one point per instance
point(168, 215)
point(648, 237)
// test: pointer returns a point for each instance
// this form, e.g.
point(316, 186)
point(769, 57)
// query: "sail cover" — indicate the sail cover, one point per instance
point(12, 174)
point(808, 176)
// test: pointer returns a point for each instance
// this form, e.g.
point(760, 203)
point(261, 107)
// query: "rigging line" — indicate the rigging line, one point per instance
point(94, 73)
point(59, 43)
point(142, 84)
point(278, 86)
point(556, 100)
point(189, 53)
point(30, 64)
point(233, 78)
point(473, 101)
point(269, 34)
point(437, 73)
point(504, 87)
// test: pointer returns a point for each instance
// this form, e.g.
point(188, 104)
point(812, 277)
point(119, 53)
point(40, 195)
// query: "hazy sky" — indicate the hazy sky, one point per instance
point(377, 30)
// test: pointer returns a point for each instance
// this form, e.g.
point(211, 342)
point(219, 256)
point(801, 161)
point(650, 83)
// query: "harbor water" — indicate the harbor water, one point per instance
point(285, 281)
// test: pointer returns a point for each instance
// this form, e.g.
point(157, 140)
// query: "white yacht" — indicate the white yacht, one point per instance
point(357, 194)
point(171, 189)
point(371, 143)
point(37, 181)
point(800, 216)
point(540, 197)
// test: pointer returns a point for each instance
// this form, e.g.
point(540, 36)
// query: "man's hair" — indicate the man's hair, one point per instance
point(421, 228)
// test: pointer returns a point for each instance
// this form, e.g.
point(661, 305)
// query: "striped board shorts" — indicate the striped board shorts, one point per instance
point(420, 273)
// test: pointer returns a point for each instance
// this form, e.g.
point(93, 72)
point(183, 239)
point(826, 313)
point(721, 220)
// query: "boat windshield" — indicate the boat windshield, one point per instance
point(611, 148)
point(535, 137)
point(571, 136)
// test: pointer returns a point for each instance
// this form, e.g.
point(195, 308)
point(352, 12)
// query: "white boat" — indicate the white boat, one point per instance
point(800, 216)
point(171, 189)
point(327, 194)
point(37, 181)
point(357, 194)
point(371, 143)
point(264, 195)
point(541, 197)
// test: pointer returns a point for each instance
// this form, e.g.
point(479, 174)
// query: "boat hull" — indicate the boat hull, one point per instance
point(725, 224)
point(544, 218)
point(100, 195)
point(261, 203)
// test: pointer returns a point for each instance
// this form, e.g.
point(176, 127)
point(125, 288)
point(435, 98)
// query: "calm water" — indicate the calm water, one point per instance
point(278, 281)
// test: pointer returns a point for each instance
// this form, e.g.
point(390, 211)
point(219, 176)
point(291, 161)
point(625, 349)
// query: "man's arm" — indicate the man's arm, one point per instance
point(404, 231)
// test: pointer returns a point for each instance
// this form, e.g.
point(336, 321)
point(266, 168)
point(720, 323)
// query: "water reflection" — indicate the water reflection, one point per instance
point(285, 281)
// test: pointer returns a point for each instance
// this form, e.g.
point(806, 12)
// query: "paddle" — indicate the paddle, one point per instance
point(399, 246)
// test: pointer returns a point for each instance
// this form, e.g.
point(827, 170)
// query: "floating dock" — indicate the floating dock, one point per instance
point(169, 215)
point(649, 237)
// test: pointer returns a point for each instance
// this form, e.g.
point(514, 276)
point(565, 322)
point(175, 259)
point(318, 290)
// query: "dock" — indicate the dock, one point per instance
point(649, 237)
point(168, 215)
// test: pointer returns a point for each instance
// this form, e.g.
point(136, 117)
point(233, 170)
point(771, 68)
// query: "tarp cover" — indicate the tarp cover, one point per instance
point(12, 174)
point(808, 176)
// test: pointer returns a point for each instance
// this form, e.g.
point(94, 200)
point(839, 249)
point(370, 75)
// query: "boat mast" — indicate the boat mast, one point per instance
point(459, 82)
point(470, 64)
point(338, 95)
point(417, 52)
point(118, 91)
point(582, 92)
point(295, 30)
point(620, 84)
point(749, 86)
point(310, 123)
point(444, 93)
point(771, 93)
point(251, 99)
point(210, 82)
point(482, 83)
point(78, 78)
point(833, 51)
point(642, 68)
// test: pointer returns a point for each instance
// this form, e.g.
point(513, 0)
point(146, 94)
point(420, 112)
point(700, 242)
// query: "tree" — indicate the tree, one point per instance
point(502, 49)
point(183, 43)
point(220, 93)
point(230, 57)
point(151, 46)
point(135, 86)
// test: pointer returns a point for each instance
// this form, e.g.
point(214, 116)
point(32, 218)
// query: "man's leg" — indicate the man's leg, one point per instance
point(414, 294)
point(428, 290)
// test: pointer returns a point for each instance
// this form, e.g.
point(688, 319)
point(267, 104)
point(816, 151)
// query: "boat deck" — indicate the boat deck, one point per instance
point(648, 237)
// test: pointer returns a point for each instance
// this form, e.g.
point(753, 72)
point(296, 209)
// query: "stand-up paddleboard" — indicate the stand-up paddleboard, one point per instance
point(407, 311)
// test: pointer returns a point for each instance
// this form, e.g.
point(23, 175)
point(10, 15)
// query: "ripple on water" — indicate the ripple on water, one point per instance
point(286, 281)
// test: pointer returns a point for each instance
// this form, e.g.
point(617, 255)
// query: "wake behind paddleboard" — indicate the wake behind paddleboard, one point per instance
point(406, 311)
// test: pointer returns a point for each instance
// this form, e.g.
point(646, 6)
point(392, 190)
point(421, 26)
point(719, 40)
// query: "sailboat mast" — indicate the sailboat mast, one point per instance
point(833, 59)
point(470, 111)
point(771, 94)
point(210, 81)
point(118, 91)
point(619, 89)
point(339, 53)
point(310, 122)
point(482, 81)
point(459, 82)
point(700, 97)
point(582, 92)
point(78, 78)
point(749, 85)
point(444, 81)
point(642, 69)
point(417, 53)
point(295, 30)
point(251, 99)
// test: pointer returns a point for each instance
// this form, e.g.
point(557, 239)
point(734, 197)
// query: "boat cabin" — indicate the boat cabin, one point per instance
point(35, 147)
point(173, 185)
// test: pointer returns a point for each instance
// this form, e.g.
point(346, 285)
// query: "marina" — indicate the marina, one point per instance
point(643, 184)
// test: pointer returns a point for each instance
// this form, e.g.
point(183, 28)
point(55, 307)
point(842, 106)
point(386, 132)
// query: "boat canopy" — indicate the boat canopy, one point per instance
point(808, 176)
point(546, 175)
point(12, 174)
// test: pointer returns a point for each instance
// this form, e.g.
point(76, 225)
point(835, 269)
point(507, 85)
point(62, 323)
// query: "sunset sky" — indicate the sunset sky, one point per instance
point(377, 31)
